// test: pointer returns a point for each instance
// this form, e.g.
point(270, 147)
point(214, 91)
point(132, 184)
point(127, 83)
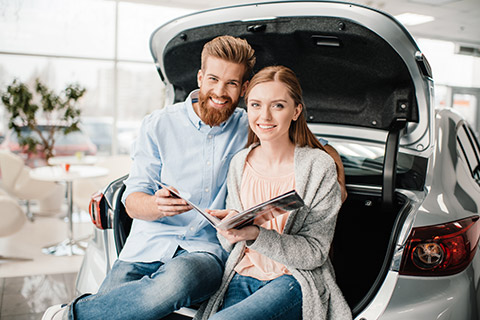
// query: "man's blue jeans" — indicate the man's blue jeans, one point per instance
point(151, 290)
point(248, 299)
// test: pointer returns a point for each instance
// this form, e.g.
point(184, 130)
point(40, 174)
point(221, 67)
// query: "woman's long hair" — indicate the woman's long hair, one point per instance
point(299, 133)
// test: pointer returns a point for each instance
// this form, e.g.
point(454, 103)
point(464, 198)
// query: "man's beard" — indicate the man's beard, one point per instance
point(212, 116)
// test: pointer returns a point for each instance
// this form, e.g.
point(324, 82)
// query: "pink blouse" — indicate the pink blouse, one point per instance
point(257, 188)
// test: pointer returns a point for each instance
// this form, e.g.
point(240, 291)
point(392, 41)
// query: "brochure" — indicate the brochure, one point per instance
point(285, 202)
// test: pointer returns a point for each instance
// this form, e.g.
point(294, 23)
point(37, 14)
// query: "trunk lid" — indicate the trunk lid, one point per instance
point(363, 76)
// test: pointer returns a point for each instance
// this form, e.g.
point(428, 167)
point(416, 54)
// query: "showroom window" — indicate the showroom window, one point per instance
point(104, 46)
point(457, 83)
point(101, 45)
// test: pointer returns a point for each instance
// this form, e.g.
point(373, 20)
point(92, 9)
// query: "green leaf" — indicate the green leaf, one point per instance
point(52, 109)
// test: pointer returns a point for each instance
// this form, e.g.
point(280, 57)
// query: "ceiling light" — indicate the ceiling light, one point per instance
point(411, 19)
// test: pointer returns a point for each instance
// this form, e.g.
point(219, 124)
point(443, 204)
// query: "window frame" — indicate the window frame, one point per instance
point(470, 147)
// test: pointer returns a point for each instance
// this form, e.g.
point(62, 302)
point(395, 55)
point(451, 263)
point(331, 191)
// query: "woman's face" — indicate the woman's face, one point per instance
point(271, 110)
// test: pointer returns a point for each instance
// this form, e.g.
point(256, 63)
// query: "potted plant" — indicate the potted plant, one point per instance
point(46, 114)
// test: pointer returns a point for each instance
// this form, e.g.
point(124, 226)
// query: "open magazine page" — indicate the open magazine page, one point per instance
point(283, 203)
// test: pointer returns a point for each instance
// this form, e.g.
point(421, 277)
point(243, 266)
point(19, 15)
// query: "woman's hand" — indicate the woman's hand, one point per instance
point(235, 235)
point(221, 214)
point(270, 214)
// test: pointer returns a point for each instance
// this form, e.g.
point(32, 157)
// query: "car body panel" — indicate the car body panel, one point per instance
point(95, 264)
point(432, 298)
point(449, 183)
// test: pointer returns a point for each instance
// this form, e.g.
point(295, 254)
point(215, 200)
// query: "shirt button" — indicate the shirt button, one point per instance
point(207, 190)
point(208, 163)
point(209, 136)
point(192, 228)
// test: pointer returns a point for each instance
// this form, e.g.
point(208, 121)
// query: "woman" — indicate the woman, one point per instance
point(279, 268)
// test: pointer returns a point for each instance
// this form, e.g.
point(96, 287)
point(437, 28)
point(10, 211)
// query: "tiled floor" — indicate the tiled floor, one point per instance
point(27, 288)
point(26, 298)
point(29, 241)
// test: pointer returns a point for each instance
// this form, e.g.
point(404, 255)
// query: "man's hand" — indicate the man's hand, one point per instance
point(168, 204)
point(147, 207)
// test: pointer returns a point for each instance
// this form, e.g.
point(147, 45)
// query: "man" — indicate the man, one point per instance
point(172, 258)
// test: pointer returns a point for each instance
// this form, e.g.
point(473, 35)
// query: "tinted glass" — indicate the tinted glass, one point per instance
point(469, 148)
point(364, 165)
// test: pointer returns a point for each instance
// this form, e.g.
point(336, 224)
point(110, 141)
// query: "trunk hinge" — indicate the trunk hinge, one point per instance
point(390, 161)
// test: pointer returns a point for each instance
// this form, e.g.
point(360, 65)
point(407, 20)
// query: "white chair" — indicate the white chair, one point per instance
point(12, 218)
point(118, 165)
point(17, 182)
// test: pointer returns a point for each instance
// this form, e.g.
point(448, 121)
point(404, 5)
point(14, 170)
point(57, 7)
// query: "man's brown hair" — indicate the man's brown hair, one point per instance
point(231, 49)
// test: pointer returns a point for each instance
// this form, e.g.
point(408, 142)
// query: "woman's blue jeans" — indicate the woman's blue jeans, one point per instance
point(248, 299)
point(151, 290)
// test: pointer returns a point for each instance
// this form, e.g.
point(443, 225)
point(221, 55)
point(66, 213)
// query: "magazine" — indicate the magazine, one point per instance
point(284, 202)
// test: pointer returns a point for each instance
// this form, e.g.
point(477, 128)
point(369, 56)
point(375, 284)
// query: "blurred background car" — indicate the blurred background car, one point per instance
point(127, 133)
point(2, 132)
point(100, 132)
point(65, 145)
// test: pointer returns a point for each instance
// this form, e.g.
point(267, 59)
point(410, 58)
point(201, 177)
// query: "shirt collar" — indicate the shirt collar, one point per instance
point(195, 119)
point(192, 115)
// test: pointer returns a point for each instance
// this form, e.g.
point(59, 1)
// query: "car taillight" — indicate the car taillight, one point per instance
point(441, 250)
point(98, 212)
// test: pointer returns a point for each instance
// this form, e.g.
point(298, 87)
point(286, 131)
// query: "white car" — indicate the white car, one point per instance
point(406, 242)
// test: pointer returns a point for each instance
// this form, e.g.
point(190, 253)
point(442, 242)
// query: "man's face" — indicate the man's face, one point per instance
point(221, 87)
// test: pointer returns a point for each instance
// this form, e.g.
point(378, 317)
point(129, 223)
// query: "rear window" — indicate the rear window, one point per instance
point(470, 149)
point(364, 166)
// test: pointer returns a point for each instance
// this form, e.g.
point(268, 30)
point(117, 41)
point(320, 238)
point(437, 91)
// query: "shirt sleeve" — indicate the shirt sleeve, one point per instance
point(147, 164)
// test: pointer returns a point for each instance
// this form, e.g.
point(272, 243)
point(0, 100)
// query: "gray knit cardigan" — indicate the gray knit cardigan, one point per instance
point(305, 243)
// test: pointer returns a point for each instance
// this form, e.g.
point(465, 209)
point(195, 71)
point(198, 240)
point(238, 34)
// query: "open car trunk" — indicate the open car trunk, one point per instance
point(359, 70)
point(363, 245)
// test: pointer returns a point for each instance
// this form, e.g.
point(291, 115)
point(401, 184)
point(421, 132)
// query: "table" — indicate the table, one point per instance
point(73, 160)
point(69, 246)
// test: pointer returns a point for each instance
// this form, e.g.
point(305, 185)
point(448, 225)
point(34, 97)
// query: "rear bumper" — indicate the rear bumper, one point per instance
point(95, 264)
point(454, 297)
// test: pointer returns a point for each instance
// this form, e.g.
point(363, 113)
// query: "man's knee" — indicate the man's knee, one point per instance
point(195, 269)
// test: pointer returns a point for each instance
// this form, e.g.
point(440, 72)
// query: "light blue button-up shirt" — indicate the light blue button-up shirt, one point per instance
point(175, 147)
